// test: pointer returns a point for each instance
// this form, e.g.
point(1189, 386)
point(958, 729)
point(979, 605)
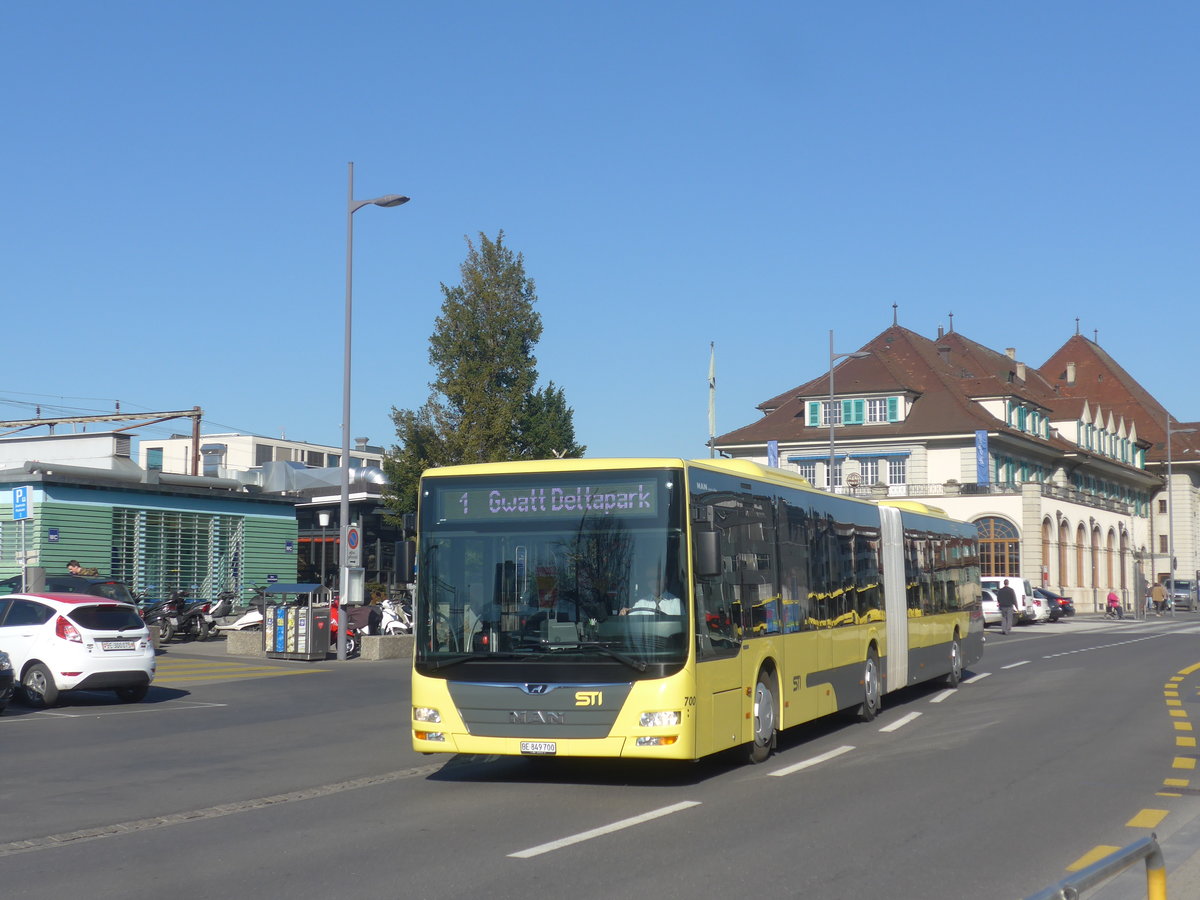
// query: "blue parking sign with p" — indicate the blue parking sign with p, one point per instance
point(20, 503)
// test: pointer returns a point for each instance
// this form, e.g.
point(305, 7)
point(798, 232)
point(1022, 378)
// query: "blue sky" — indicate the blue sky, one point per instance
point(674, 174)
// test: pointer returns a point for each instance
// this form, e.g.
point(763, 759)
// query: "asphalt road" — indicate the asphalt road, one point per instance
point(270, 779)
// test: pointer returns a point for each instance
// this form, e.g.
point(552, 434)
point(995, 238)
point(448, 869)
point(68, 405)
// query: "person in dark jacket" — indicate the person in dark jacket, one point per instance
point(1006, 599)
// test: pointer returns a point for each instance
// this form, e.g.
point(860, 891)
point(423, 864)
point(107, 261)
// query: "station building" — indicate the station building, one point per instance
point(1075, 476)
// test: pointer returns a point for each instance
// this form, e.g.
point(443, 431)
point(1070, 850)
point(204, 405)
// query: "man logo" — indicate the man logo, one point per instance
point(536, 688)
point(589, 698)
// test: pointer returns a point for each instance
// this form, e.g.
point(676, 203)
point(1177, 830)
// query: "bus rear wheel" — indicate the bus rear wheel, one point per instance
point(765, 727)
point(872, 688)
point(956, 665)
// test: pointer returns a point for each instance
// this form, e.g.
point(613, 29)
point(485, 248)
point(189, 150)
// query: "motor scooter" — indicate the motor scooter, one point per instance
point(391, 618)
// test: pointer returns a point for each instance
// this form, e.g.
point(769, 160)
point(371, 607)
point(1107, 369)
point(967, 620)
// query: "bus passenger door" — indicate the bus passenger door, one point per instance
point(718, 666)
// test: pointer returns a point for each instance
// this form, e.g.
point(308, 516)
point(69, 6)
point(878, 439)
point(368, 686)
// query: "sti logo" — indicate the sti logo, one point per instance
point(589, 698)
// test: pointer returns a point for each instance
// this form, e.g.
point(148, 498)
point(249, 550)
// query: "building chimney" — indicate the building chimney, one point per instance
point(941, 332)
point(360, 444)
point(1070, 373)
point(1021, 370)
point(1012, 352)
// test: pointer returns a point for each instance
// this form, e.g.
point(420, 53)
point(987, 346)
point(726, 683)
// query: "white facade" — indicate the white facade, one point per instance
point(221, 454)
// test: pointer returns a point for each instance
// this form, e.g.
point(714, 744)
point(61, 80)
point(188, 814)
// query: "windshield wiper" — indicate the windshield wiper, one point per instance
point(451, 661)
point(608, 651)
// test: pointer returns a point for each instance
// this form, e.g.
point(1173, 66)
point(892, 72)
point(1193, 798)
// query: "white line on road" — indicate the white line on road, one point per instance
point(1107, 646)
point(816, 760)
point(901, 722)
point(97, 712)
point(1023, 662)
point(942, 696)
point(606, 829)
point(975, 678)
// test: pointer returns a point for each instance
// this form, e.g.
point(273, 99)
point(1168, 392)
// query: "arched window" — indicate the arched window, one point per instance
point(1047, 532)
point(1095, 557)
point(1080, 543)
point(1108, 558)
point(1124, 550)
point(1064, 541)
point(999, 547)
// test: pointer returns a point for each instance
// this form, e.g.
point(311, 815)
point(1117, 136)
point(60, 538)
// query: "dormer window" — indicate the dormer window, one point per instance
point(853, 411)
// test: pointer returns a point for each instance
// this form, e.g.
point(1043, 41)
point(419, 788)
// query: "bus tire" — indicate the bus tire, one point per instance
point(765, 726)
point(954, 676)
point(872, 688)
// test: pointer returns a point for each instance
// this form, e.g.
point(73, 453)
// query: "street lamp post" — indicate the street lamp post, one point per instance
point(352, 206)
point(833, 358)
point(1171, 515)
point(323, 520)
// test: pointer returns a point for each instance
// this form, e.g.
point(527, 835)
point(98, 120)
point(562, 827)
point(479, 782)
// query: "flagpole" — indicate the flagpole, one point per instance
point(712, 399)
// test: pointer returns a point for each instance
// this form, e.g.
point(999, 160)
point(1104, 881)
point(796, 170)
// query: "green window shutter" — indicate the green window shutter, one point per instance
point(847, 412)
point(814, 413)
point(860, 412)
point(893, 409)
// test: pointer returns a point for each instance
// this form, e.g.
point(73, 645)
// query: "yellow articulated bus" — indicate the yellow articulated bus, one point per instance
point(671, 609)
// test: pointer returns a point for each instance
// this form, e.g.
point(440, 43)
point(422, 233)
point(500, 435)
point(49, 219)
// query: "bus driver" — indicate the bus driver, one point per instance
point(652, 598)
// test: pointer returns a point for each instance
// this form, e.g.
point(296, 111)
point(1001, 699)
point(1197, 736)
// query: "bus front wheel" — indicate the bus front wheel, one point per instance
point(764, 720)
point(872, 688)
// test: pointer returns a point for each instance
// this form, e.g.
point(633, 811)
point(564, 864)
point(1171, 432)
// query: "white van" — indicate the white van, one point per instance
point(1029, 608)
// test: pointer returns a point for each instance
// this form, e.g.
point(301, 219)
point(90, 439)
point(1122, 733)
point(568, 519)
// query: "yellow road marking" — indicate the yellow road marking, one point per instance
point(1096, 853)
point(1165, 794)
point(1174, 702)
point(1185, 742)
point(1147, 818)
point(1184, 762)
point(1195, 667)
point(1177, 678)
point(1183, 726)
point(1170, 693)
point(1177, 713)
point(1176, 782)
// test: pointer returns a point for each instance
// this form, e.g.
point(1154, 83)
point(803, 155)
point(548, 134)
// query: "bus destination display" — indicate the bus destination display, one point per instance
point(484, 504)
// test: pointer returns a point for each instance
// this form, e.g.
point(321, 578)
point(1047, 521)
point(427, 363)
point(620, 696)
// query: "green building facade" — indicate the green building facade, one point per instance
point(155, 537)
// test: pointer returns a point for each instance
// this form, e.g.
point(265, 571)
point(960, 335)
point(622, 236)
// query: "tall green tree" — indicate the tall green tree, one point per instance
point(484, 404)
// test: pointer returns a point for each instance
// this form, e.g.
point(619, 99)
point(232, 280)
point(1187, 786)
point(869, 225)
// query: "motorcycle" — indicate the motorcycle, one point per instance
point(164, 614)
point(190, 620)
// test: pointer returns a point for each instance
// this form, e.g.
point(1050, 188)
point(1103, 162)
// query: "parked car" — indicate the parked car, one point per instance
point(1184, 596)
point(76, 584)
point(6, 681)
point(1060, 606)
point(1026, 610)
point(64, 642)
point(991, 609)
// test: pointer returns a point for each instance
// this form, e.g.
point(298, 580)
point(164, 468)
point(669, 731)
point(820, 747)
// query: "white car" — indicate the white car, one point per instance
point(991, 609)
point(68, 642)
point(1028, 608)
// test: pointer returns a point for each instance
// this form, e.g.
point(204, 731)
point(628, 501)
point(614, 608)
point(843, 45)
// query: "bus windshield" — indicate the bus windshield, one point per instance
point(556, 568)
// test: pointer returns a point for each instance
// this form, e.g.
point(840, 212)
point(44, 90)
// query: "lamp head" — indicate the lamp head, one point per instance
point(390, 200)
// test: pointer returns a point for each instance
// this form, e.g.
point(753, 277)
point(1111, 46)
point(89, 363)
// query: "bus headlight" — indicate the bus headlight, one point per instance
point(429, 736)
point(426, 714)
point(660, 719)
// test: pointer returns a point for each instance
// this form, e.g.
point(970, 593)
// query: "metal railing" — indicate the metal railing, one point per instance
point(1115, 863)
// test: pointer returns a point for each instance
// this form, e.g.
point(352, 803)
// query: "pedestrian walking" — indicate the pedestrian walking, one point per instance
point(1006, 599)
point(1159, 595)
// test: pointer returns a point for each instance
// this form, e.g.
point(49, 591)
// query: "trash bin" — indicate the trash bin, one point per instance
point(296, 621)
